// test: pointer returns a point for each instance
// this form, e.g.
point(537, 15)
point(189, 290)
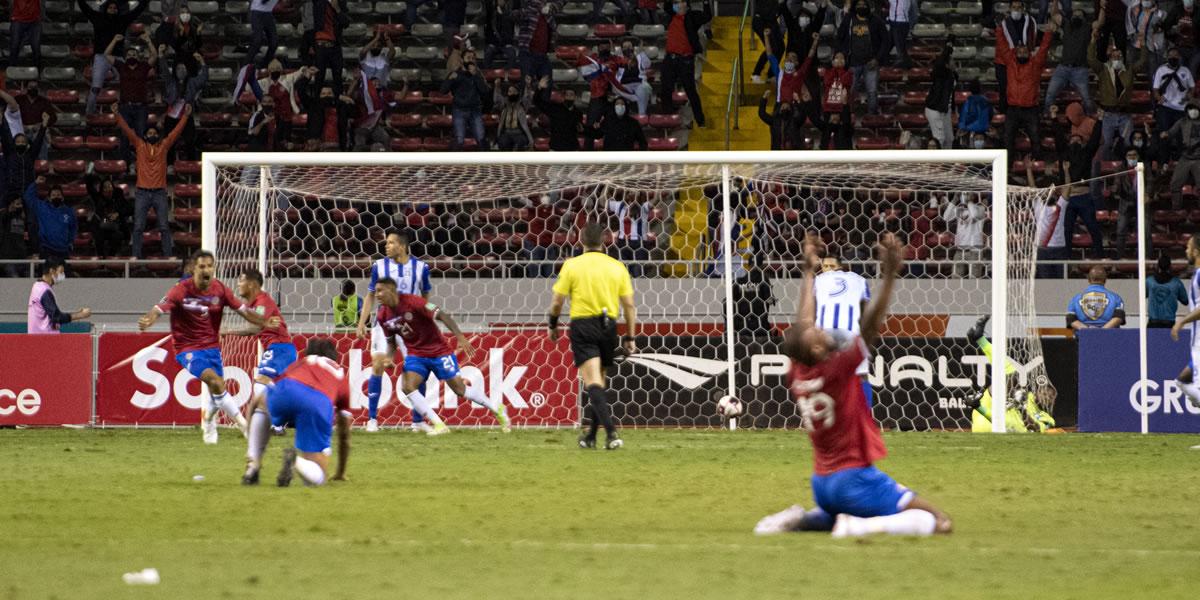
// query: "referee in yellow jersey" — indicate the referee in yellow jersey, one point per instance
point(596, 284)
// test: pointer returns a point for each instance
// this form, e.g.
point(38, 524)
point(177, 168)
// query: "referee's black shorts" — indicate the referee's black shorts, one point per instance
point(593, 337)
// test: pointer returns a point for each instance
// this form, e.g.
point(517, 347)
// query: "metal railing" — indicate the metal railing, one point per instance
point(737, 83)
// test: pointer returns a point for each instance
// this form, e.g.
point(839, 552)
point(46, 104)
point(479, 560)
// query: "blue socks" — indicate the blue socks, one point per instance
point(416, 414)
point(374, 386)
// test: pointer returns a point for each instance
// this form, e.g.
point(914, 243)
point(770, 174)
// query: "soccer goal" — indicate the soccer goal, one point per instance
point(714, 242)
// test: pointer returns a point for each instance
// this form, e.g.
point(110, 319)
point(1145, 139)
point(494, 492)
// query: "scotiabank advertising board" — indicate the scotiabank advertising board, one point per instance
point(45, 379)
point(140, 381)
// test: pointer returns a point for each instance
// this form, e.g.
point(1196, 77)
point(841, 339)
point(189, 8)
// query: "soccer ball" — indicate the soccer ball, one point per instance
point(729, 406)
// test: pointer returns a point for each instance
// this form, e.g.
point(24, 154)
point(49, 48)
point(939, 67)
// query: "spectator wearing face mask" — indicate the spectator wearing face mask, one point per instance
point(499, 33)
point(26, 28)
point(375, 59)
point(1017, 30)
point(837, 132)
point(1172, 87)
point(1147, 147)
point(766, 24)
point(513, 130)
point(789, 84)
point(468, 88)
point(600, 71)
point(1076, 167)
point(620, 130)
point(34, 107)
point(115, 215)
point(838, 82)
point(683, 44)
point(967, 215)
point(1124, 189)
point(1115, 90)
point(329, 117)
point(566, 121)
point(183, 84)
point(975, 116)
point(20, 156)
point(1073, 65)
point(634, 85)
point(57, 226)
point(12, 237)
point(535, 37)
point(151, 191)
point(107, 23)
point(1184, 140)
point(281, 89)
point(940, 101)
point(785, 131)
point(184, 37)
point(862, 38)
point(262, 130)
point(135, 85)
point(902, 14)
point(370, 130)
point(44, 315)
point(801, 27)
point(262, 32)
point(1024, 69)
point(1144, 22)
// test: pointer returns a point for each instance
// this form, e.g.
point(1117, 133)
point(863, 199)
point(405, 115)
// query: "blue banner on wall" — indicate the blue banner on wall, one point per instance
point(1108, 382)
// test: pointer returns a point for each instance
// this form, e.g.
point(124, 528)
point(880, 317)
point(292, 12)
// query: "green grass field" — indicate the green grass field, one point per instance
point(481, 515)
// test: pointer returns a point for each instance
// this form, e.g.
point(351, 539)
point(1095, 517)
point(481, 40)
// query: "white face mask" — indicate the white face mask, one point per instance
point(1147, 4)
point(1193, 113)
point(680, 7)
point(1117, 65)
point(185, 17)
point(978, 144)
point(545, 9)
point(1016, 14)
point(619, 109)
point(789, 66)
point(1131, 162)
point(804, 21)
point(60, 277)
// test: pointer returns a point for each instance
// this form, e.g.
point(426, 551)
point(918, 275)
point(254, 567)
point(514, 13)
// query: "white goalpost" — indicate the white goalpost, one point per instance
point(712, 238)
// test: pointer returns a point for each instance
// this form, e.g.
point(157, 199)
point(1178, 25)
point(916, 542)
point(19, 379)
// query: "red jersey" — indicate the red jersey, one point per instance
point(677, 38)
point(413, 320)
point(323, 375)
point(196, 315)
point(839, 422)
point(266, 308)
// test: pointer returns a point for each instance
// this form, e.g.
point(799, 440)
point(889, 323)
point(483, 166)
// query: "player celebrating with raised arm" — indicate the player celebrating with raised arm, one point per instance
point(842, 297)
point(411, 276)
point(596, 283)
point(278, 354)
point(413, 320)
point(846, 441)
point(196, 306)
point(306, 396)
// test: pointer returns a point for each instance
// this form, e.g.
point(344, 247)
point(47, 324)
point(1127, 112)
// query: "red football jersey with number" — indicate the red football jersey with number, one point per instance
point(413, 320)
point(839, 422)
point(323, 375)
point(196, 315)
point(266, 308)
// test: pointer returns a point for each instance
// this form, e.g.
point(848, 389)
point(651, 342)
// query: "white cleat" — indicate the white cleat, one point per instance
point(841, 527)
point(208, 425)
point(781, 522)
point(372, 426)
point(243, 426)
point(756, 79)
point(439, 429)
point(423, 427)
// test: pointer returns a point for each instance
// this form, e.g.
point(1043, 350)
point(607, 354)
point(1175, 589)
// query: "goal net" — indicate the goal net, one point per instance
point(713, 241)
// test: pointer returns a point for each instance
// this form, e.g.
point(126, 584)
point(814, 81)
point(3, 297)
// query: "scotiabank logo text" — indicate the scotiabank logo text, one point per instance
point(27, 402)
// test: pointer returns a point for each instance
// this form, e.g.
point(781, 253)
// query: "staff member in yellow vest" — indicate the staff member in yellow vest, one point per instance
point(597, 285)
point(347, 306)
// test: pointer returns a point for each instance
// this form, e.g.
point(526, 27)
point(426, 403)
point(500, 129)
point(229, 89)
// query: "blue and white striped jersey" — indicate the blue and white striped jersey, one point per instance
point(1194, 303)
point(840, 295)
point(412, 277)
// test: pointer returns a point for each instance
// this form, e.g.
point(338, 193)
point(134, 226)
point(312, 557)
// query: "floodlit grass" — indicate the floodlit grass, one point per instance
point(478, 514)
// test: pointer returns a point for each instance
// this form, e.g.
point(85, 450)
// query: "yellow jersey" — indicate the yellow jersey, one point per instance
point(595, 282)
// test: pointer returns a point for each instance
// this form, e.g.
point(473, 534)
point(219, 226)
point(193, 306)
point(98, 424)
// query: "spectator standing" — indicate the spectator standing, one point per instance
point(513, 130)
point(1115, 91)
point(34, 107)
point(262, 130)
point(566, 121)
point(838, 81)
point(975, 116)
point(469, 89)
point(1016, 30)
point(683, 43)
point(375, 61)
point(12, 237)
point(107, 23)
point(766, 23)
point(1184, 139)
point(20, 158)
point(967, 214)
point(1051, 232)
point(44, 316)
point(902, 14)
point(1096, 306)
point(1165, 292)
point(1112, 25)
point(1144, 23)
point(135, 80)
point(535, 37)
point(184, 37)
point(328, 22)
point(346, 307)
point(863, 37)
point(183, 83)
point(499, 33)
point(785, 131)
point(151, 189)
point(1172, 88)
point(262, 31)
point(281, 89)
point(1124, 189)
point(1076, 156)
point(115, 215)
point(1024, 69)
point(837, 132)
point(26, 28)
point(1073, 65)
point(370, 129)
point(57, 225)
point(634, 85)
point(600, 71)
point(329, 118)
point(804, 29)
point(939, 103)
point(632, 218)
point(619, 129)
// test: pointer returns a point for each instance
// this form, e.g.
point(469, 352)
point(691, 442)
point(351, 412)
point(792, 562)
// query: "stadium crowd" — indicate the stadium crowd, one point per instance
point(1073, 93)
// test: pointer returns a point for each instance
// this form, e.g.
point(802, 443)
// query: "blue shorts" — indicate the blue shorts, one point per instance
point(310, 411)
point(869, 392)
point(861, 492)
point(199, 361)
point(276, 359)
point(444, 367)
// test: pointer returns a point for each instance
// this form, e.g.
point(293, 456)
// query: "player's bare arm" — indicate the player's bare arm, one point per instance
point(463, 343)
point(631, 325)
point(1179, 325)
point(147, 320)
point(556, 306)
point(806, 306)
point(368, 304)
point(891, 258)
point(343, 452)
point(258, 320)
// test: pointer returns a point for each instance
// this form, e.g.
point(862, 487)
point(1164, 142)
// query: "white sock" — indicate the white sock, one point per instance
point(910, 522)
point(228, 406)
point(1192, 391)
point(260, 425)
point(477, 396)
point(420, 405)
point(309, 471)
point(260, 389)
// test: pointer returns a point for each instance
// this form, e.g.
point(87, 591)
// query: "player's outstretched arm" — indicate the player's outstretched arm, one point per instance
point(147, 320)
point(1188, 318)
point(343, 454)
point(806, 307)
point(463, 343)
point(890, 260)
point(258, 320)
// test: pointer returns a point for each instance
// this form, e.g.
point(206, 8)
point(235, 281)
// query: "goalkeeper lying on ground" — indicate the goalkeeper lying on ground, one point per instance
point(1023, 414)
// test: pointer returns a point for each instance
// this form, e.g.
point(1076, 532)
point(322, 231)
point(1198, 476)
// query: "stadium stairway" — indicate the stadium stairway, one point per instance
point(752, 133)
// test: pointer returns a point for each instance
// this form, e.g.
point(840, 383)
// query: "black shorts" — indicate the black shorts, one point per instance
point(594, 337)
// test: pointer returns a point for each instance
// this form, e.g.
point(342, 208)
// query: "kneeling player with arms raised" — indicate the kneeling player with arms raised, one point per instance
point(306, 397)
point(411, 318)
point(846, 441)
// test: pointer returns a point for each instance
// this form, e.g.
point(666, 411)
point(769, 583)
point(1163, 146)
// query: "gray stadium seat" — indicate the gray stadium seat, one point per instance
point(969, 9)
point(566, 30)
point(22, 73)
point(399, 75)
point(72, 119)
point(427, 30)
point(565, 75)
point(203, 7)
point(59, 73)
point(55, 50)
point(390, 8)
point(930, 30)
point(236, 7)
point(648, 31)
point(966, 30)
point(359, 8)
point(220, 74)
point(422, 53)
point(577, 9)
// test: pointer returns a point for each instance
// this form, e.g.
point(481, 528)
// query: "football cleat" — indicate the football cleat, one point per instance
point(841, 527)
point(285, 472)
point(502, 417)
point(781, 522)
point(422, 427)
point(613, 443)
point(587, 443)
point(438, 429)
point(243, 426)
point(372, 426)
point(251, 475)
point(208, 425)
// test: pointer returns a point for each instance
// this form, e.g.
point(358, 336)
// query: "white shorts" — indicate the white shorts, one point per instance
point(379, 343)
point(1195, 360)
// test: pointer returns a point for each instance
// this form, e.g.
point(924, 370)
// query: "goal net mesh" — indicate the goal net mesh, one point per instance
point(495, 235)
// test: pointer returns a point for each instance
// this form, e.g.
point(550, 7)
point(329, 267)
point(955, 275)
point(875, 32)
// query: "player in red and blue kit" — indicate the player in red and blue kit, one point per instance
point(853, 497)
point(196, 306)
point(306, 397)
point(278, 353)
point(413, 320)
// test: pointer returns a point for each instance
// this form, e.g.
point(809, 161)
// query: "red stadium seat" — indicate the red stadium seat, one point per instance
point(872, 143)
point(541, 144)
point(433, 144)
point(665, 121)
point(68, 167)
point(439, 121)
point(440, 99)
point(570, 54)
point(404, 120)
point(41, 167)
point(412, 98)
point(188, 214)
point(187, 190)
point(67, 142)
point(186, 239)
point(915, 97)
point(62, 96)
point(110, 167)
point(412, 144)
point(102, 143)
point(102, 119)
point(213, 119)
point(608, 30)
point(83, 52)
point(663, 144)
point(189, 168)
point(74, 191)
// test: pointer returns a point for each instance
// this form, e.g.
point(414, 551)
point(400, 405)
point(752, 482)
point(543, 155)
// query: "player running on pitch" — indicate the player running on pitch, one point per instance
point(846, 441)
point(278, 354)
point(306, 397)
point(196, 306)
point(1187, 377)
point(412, 319)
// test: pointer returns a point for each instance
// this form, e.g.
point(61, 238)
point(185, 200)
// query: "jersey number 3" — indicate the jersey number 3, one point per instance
point(816, 410)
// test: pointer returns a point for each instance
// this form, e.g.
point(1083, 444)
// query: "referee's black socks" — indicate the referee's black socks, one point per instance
point(600, 412)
